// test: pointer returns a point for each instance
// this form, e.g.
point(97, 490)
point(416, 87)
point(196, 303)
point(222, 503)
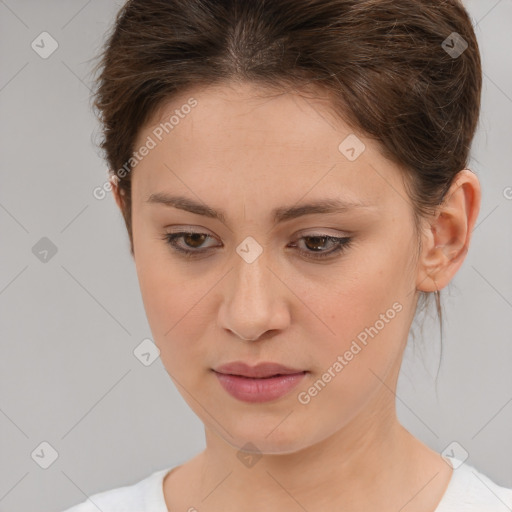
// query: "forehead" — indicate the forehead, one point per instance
point(246, 114)
point(243, 140)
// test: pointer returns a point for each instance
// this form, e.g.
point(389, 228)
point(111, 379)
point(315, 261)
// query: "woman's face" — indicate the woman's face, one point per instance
point(256, 290)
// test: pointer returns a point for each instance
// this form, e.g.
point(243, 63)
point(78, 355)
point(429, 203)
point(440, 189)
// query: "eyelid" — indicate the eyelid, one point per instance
point(191, 230)
point(331, 232)
point(314, 231)
point(188, 229)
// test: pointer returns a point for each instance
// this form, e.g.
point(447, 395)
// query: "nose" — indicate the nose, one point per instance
point(254, 301)
point(246, 339)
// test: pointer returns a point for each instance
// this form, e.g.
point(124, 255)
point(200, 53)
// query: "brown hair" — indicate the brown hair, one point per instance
point(386, 65)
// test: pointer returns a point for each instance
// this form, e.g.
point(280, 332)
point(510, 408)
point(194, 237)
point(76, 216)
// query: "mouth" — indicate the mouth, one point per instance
point(261, 378)
point(265, 370)
point(264, 382)
point(269, 387)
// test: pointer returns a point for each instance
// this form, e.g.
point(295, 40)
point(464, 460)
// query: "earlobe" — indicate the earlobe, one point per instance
point(446, 238)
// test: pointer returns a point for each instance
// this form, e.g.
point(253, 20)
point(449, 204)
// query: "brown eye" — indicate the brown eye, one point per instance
point(317, 246)
point(194, 240)
point(316, 243)
point(188, 243)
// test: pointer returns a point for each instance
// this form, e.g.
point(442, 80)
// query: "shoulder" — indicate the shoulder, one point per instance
point(471, 491)
point(129, 498)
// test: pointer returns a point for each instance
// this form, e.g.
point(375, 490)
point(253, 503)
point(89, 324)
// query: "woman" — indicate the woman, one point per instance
point(292, 175)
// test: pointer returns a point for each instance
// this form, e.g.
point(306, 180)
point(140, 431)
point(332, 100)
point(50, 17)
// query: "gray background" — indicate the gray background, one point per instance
point(68, 375)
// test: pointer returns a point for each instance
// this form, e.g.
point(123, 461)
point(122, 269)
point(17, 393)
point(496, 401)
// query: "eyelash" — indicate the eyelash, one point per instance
point(341, 244)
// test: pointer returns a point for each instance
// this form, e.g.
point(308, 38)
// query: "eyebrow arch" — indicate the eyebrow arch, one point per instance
point(278, 215)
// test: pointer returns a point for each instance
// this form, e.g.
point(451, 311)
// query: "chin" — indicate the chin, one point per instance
point(265, 438)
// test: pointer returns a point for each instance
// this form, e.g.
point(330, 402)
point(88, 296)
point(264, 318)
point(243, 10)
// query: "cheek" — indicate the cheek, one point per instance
point(366, 327)
point(168, 301)
point(155, 284)
point(366, 307)
point(174, 303)
point(370, 327)
point(161, 285)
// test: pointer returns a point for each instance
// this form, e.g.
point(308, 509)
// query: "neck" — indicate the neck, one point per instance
point(371, 461)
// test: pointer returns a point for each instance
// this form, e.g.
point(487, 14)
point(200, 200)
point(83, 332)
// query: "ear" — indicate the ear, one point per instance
point(446, 238)
point(116, 191)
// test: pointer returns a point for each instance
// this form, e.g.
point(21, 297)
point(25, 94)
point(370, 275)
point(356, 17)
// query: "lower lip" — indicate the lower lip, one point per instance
point(259, 390)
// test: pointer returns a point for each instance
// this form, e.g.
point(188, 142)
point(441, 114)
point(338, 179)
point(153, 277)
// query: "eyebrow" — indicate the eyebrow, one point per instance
point(281, 214)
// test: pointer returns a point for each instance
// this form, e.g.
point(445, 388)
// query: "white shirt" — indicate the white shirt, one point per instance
point(468, 491)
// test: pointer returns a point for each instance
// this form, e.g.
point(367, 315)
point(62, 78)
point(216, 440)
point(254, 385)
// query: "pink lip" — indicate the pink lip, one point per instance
point(261, 370)
point(260, 383)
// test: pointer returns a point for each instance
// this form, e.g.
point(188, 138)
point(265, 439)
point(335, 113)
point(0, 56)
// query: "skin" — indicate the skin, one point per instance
point(247, 151)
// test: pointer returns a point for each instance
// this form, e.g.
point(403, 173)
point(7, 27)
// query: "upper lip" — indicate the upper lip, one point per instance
point(265, 369)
